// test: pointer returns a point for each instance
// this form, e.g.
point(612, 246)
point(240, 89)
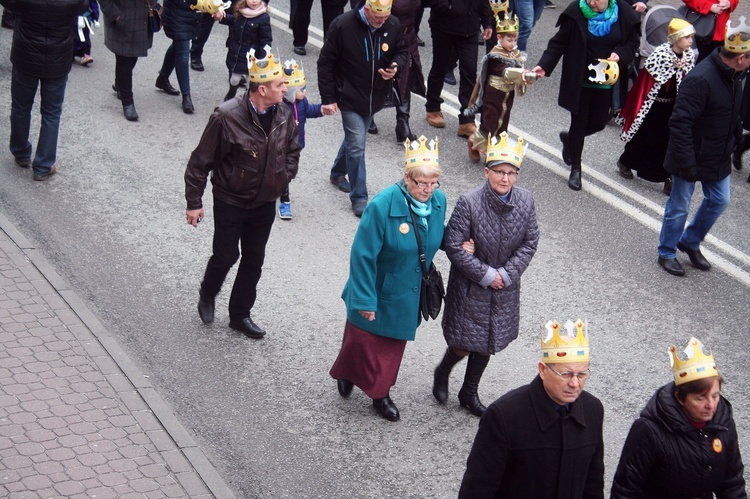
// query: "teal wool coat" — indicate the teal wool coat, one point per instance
point(384, 270)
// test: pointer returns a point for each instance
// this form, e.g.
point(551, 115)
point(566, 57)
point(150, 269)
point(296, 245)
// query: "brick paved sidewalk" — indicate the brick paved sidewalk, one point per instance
point(77, 418)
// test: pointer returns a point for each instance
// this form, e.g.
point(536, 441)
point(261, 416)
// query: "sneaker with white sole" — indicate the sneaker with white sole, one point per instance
point(285, 211)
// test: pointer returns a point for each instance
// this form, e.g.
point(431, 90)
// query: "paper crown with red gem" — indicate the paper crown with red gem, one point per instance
point(505, 23)
point(606, 72)
point(697, 365)
point(499, 150)
point(380, 6)
point(263, 70)
point(560, 347)
point(737, 40)
point(211, 6)
point(294, 76)
point(421, 153)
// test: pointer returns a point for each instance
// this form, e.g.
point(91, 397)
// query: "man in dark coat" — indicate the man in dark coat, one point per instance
point(251, 149)
point(42, 55)
point(704, 126)
point(363, 51)
point(543, 440)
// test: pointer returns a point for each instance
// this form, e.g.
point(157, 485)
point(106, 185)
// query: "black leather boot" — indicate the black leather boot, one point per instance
point(403, 131)
point(232, 92)
point(442, 375)
point(386, 408)
point(129, 111)
point(187, 104)
point(574, 181)
point(162, 83)
point(468, 396)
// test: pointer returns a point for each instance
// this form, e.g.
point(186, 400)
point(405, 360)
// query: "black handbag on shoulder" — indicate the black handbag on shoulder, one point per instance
point(432, 290)
point(154, 17)
point(704, 25)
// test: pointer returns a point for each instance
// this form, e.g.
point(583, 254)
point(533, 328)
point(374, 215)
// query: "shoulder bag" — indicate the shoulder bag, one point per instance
point(704, 25)
point(154, 17)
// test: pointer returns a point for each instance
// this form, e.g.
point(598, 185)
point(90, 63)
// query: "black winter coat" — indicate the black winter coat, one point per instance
point(570, 43)
point(180, 21)
point(666, 457)
point(460, 17)
point(43, 35)
point(525, 449)
point(126, 29)
point(245, 34)
point(705, 122)
point(349, 62)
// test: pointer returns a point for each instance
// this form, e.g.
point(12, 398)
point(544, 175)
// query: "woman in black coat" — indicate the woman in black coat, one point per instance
point(181, 25)
point(589, 30)
point(684, 445)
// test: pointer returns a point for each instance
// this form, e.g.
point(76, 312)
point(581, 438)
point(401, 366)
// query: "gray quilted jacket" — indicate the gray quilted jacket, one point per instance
point(479, 319)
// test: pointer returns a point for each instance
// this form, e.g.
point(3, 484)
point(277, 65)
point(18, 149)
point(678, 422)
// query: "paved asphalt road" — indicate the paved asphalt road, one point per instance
point(266, 412)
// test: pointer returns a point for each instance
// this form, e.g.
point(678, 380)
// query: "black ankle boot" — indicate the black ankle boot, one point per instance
point(403, 131)
point(468, 396)
point(442, 375)
point(574, 181)
point(386, 408)
point(187, 104)
point(232, 92)
point(162, 83)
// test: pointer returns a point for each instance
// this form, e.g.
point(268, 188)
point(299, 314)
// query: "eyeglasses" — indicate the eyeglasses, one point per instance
point(502, 174)
point(425, 185)
point(568, 376)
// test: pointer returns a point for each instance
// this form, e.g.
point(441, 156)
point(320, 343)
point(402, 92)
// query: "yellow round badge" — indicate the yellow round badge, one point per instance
point(385, 47)
point(404, 228)
point(717, 446)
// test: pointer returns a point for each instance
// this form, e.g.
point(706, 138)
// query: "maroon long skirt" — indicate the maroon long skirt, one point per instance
point(369, 361)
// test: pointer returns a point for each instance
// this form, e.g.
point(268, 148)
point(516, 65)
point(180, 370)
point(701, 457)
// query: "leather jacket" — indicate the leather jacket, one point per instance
point(248, 168)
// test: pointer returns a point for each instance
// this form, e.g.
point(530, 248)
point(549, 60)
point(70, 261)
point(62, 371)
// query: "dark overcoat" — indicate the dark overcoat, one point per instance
point(180, 21)
point(569, 43)
point(666, 457)
point(479, 319)
point(406, 12)
point(126, 30)
point(525, 449)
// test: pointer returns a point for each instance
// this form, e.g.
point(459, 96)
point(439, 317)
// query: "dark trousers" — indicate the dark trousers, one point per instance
point(250, 229)
point(466, 48)
point(301, 22)
point(331, 9)
point(592, 117)
point(205, 26)
point(124, 77)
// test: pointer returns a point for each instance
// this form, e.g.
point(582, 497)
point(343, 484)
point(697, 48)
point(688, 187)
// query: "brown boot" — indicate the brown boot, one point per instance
point(436, 119)
point(466, 129)
point(473, 153)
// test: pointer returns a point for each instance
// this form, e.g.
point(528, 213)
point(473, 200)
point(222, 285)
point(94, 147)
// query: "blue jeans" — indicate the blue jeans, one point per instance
point(350, 160)
point(528, 12)
point(22, 91)
point(715, 200)
point(177, 58)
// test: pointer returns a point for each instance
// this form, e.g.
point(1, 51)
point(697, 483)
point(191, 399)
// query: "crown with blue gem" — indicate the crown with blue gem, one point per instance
point(263, 70)
point(294, 76)
point(560, 347)
point(421, 153)
point(697, 365)
point(500, 150)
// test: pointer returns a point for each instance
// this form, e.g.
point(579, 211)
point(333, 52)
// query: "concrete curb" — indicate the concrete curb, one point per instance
point(104, 352)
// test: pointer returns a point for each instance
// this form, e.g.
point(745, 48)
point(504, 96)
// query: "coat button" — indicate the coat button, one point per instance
point(415, 289)
point(417, 270)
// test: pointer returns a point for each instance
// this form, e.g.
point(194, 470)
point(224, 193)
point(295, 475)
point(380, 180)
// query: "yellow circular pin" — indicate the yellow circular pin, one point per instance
point(404, 228)
point(385, 47)
point(717, 446)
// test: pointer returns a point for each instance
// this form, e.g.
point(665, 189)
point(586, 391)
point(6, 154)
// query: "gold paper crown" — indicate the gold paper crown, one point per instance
point(499, 6)
point(606, 72)
point(263, 70)
point(679, 28)
point(211, 6)
point(293, 75)
point(698, 365)
point(506, 24)
point(419, 154)
point(500, 150)
point(570, 347)
point(380, 6)
point(737, 40)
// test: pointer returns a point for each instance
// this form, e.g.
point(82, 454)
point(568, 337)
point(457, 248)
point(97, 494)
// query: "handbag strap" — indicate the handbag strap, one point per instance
point(422, 258)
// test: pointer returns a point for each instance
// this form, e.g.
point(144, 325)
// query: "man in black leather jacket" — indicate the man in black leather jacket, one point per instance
point(251, 148)
point(42, 55)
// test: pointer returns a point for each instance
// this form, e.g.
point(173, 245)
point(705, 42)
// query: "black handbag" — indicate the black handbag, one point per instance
point(432, 290)
point(154, 17)
point(704, 25)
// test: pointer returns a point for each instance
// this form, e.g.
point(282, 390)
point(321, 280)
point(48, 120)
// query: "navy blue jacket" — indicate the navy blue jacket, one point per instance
point(180, 21)
point(246, 34)
point(301, 110)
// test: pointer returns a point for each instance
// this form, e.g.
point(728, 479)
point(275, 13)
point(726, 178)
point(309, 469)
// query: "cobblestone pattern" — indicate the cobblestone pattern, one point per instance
point(71, 424)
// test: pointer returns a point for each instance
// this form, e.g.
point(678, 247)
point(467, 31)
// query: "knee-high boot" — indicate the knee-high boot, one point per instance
point(442, 374)
point(468, 396)
point(402, 120)
point(232, 92)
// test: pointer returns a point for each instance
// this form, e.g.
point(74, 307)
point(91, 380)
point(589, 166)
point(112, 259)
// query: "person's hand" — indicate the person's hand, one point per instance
point(370, 316)
point(487, 34)
point(613, 57)
point(194, 216)
point(469, 246)
point(219, 15)
point(725, 5)
point(389, 72)
point(716, 8)
point(639, 7)
point(329, 109)
point(540, 73)
point(498, 283)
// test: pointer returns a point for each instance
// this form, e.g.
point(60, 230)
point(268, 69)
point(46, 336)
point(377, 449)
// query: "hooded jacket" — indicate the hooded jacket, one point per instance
point(666, 457)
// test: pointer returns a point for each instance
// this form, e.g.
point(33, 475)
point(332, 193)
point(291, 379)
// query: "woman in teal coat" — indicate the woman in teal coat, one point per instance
point(382, 293)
